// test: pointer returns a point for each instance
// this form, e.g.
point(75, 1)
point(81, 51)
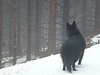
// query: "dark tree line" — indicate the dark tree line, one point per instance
point(34, 29)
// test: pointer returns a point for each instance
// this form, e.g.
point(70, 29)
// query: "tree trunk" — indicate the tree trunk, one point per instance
point(52, 28)
point(84, 31)
point(37, 25)
point(10, 30)
point(65, 19)
point(97, 16)
point(18, 27)
point(14, 51)
point(0, 32)
point(29, 32)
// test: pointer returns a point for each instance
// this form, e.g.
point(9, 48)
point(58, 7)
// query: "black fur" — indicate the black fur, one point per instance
point(73, 48)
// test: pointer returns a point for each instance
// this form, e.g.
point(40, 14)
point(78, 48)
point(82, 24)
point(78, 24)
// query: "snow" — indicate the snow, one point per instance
point(52, 65)
point(95, 39)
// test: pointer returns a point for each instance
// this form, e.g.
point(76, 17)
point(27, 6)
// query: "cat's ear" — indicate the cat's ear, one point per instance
point(74, 23)
point(67, 23)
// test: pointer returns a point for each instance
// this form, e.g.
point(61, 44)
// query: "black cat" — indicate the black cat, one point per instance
point(73, 48)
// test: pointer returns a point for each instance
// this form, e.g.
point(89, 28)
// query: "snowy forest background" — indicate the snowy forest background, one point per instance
point(34, 29)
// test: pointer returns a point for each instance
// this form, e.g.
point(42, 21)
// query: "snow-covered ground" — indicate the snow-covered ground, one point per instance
point(95, 39)
point(52, 65)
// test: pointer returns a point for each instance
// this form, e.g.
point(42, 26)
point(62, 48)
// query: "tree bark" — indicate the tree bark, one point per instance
point(38, 25)
point(65, 19)
point(84, 31)
point(18, 33)
point(52, 27)
point(10, 30)
point(97, 15)
point(29, 35)
point(14, 51)
point(0, 31)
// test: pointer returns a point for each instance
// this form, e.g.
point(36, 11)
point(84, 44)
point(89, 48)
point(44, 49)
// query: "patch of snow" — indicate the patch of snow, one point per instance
point(52, 65)
point(95, 39)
